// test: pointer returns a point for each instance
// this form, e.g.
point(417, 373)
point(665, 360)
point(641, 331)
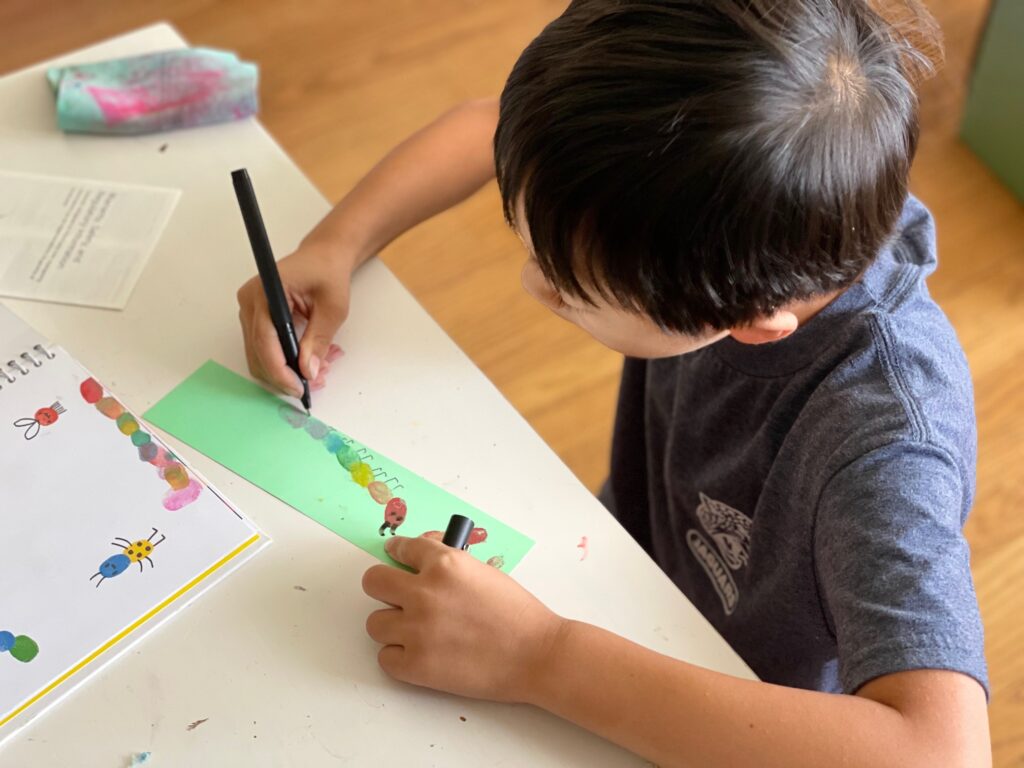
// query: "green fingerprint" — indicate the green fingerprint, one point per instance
point(24, 648)
point(347, 457)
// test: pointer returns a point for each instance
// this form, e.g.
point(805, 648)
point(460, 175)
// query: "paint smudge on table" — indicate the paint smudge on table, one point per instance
point(584, 547)
point(195, 724)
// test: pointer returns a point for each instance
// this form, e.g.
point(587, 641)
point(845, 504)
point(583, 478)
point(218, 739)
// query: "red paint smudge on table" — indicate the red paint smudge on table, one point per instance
point(584, 548)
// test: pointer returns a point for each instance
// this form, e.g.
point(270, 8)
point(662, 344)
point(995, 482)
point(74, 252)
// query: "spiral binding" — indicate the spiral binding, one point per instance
point(22, 365)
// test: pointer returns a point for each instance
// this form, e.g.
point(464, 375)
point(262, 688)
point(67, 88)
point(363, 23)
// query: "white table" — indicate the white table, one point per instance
point(285, 676)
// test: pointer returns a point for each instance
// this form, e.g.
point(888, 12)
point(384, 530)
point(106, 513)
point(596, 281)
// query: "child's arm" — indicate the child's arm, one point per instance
point(437, 167)
point(431, 171)
point(679, 714)
point(461, 626)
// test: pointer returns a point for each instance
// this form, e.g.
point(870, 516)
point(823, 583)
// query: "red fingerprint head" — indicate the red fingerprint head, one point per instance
point(46, 416)
point(394, 512)
point(477, 536)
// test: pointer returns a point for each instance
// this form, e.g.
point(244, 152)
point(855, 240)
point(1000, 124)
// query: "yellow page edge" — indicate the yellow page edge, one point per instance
point(129, 629)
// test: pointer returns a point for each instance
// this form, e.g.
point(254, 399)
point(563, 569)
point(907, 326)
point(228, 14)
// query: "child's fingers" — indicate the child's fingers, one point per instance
point(415, 553)
point(386, 626)
point(333, 353)
point(253, 314)
point(392, 659)
point(255, 367)
point(320, 381)
point(325, 318)
point(387, 584)
point(267, 349)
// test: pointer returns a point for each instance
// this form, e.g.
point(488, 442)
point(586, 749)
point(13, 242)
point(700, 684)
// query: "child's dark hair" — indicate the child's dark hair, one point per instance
point(709, 161)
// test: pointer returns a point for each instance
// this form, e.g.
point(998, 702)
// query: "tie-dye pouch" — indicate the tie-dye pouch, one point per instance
point(154, 92)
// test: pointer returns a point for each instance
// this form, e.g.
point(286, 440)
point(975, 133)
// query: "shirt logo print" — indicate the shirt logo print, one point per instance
point(730, 530)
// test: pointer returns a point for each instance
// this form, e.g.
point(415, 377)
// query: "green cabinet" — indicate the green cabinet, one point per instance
point(993, 124)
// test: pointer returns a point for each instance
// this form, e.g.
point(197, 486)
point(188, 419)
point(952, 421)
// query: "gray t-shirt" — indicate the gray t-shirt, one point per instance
point(809, 495)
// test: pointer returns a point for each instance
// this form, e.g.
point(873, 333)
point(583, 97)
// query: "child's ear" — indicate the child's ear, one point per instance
point(766, 329)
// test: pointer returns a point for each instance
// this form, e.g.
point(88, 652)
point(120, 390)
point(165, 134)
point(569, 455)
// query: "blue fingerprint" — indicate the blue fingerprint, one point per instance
point(334, 442)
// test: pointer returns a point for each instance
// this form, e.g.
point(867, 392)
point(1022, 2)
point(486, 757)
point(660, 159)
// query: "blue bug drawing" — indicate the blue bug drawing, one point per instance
point(131, 552)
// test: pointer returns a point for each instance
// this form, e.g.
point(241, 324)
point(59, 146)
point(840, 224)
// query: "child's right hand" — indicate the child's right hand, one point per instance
point(431, 171)
point(316, 282)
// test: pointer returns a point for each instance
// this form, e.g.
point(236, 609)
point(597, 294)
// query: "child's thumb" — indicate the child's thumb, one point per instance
point(324, 322)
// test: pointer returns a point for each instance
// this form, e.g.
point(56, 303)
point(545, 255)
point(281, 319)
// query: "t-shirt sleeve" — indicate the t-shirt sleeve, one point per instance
point(893, 566)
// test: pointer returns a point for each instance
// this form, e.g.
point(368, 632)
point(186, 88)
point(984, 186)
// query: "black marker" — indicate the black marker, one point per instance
point(280, 314)
point(457, 535)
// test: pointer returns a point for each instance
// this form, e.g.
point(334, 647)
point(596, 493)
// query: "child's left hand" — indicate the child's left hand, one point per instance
point(457, 624)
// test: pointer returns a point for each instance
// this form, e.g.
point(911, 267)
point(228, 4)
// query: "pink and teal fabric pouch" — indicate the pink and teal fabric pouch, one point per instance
point(155, 92)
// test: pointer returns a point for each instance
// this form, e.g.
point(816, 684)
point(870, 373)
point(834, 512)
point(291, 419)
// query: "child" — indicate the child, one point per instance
point(717, 189)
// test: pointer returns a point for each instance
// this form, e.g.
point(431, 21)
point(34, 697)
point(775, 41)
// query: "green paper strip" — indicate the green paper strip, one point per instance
point(316, 469)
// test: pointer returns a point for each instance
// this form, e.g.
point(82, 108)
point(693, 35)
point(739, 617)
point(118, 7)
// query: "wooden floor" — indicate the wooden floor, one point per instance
point(345, 80)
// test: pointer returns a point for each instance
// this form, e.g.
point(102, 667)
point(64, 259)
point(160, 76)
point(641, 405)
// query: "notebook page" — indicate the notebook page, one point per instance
point(104, 532)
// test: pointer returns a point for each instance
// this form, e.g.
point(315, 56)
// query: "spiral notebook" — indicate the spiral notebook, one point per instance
point(104, 531)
